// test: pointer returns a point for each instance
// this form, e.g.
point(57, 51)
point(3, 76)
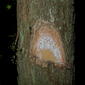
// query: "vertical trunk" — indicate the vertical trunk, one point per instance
point(58, 13)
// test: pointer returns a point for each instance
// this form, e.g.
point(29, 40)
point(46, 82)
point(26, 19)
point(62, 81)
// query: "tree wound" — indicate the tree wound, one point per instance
point(47, 45)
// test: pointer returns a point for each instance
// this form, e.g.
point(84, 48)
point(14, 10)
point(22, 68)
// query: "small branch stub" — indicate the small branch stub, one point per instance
point(46, 45)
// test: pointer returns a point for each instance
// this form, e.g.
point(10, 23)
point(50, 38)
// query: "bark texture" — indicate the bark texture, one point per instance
point(59, 13)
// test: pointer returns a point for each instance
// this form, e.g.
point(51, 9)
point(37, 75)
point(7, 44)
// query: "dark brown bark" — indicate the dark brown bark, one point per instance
point(59, 13)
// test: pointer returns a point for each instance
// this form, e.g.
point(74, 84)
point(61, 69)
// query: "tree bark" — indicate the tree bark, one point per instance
point(58, 13)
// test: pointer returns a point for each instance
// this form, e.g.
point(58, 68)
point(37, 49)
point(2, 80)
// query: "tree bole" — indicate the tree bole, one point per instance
point(58, 13)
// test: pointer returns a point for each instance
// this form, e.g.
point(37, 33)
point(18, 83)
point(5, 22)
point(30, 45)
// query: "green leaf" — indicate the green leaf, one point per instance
point(8, 7)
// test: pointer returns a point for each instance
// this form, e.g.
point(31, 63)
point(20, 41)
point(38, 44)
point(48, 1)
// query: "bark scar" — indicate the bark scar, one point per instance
point(46, 44)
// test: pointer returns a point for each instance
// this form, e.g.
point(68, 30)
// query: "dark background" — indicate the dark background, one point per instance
point(8, 29)
point(79, 29)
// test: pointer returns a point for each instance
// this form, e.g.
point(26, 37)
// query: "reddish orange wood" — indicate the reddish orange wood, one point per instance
point(47, 45)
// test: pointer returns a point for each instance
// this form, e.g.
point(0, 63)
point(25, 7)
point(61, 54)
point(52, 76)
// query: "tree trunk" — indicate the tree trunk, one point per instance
point(58, 13)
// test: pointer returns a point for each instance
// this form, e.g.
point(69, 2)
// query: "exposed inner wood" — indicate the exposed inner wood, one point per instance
point(47, 45)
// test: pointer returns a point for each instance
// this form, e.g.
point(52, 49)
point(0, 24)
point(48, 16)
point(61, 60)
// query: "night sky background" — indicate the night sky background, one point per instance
point(8, 30)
